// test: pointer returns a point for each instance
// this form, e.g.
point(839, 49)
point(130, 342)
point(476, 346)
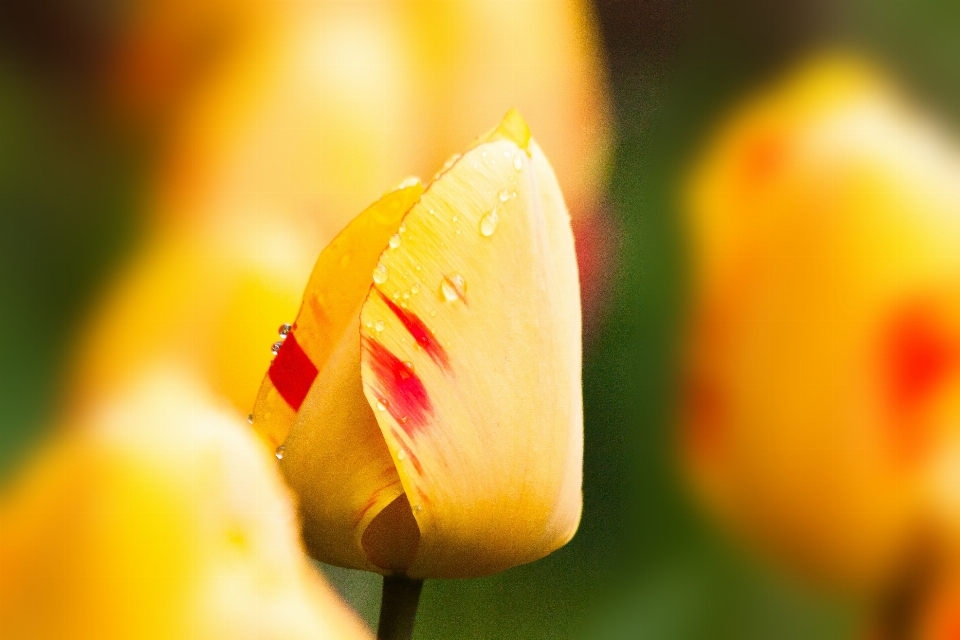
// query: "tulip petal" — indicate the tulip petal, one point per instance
point(330, 448)
point(476, 371)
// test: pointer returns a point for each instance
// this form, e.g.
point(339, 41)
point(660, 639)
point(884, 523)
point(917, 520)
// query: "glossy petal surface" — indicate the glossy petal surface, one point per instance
point(475, 374)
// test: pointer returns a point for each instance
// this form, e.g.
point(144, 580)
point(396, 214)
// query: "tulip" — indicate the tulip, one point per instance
point(822, 390)
point(160, 518)
point(426, 404)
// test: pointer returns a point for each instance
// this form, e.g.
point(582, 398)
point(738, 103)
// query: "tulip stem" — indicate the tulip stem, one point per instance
point(398, 609)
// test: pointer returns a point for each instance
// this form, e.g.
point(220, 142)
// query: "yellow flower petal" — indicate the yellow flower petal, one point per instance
point(162, 518)
point(476, 372)
point(312, 405)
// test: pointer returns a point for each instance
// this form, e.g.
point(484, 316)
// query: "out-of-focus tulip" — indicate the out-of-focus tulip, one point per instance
point(426, 404)
point(306, 112)
point(164, 518)
point(940, 614)
point(822, 413)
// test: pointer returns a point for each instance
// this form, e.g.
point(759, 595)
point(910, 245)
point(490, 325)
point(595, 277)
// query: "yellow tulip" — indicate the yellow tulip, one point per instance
point(823, 402)
point(426, 403)
point(162, 518)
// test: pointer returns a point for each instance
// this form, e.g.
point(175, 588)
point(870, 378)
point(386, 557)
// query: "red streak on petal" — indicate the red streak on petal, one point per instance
point(292, 372)
point(419, 331)
point(403, 392)
point(369, 504)
point(414, 460)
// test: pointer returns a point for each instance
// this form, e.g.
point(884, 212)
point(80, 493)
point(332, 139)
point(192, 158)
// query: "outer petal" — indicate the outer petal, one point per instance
point(477, 371)
point(311, 404)
point(161, 519)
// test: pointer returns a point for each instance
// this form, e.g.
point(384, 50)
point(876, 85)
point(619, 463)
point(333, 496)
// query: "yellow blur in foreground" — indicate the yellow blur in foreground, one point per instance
point(823, 398)
point(163, 518)
point(426, 404)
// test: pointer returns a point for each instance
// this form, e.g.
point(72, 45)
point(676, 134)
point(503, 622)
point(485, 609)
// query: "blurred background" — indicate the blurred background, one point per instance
point(147, 148)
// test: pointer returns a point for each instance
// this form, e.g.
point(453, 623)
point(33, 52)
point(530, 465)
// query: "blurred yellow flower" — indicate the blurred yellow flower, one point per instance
point(426, 404)
point(300, 114)
point(823, 391)
point(162, 518)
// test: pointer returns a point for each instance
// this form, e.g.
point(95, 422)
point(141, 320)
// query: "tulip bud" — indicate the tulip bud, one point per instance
point(824, 228)
point(426, 402)
point(161, 518)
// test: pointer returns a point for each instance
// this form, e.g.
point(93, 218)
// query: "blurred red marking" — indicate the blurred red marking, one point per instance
point(419, 331)
point(292, 372)
point(763, 157)
point(919, 357)
point(400, 390)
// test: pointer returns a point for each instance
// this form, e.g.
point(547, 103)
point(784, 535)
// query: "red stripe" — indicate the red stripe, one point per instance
point(292, 372)
point(398, 388)
point(419, 331)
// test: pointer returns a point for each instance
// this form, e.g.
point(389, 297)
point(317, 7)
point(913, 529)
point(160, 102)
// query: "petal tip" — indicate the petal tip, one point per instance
point(514, 128)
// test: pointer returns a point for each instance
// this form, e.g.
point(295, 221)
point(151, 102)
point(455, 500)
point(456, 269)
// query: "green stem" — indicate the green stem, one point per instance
point(398, 609)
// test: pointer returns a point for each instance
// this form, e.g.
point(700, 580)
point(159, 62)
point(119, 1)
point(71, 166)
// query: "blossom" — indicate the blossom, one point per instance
point(823, 378)
point(159, 517)
point(426, 403)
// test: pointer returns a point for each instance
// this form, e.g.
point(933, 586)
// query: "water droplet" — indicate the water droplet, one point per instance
point(415, 289)
point(483, 154)
point(403, 305)
point(380, 274)
point(285, 329)
point(275, 349)
point(403, 420)
point(382, 405)
point(406, 295)
point(394, 241)
point(401, 454)
point(459, 231)
point(455, 218)
point(250, 418)
point(433, 313)
point(379, 326)
point(504, 195)
point(369, 324)
point(453, 287)
point(488, 223)
point(408, 365)
point(396, 295)
point(506, 154)
point(418, 508)
point(518, 162)
point(279, 452)
point(411, 181)
point(419, 267)
point(403, 227)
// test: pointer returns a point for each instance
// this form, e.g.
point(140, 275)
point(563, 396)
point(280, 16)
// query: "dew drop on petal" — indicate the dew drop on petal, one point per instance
point(275, 349)
point(285, 329)
point(382, 405)
point(453, 287)
point(401, 454)
point(433, 313)
point(380, 274)
point(403, 227)
point(279, 452)
point(408, 365)
point(415, 289)
point(394, 241)
point(369, 324)
point(406, 295)
point(518, 162)
point(379, 326)
point(250, 418)
point(455, 218)
point(488, 223)
point(418, 508)
point(459, 232)
point(504, 195)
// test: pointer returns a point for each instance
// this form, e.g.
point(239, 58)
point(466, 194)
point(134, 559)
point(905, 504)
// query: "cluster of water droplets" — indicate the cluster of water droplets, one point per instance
point(284, 331)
